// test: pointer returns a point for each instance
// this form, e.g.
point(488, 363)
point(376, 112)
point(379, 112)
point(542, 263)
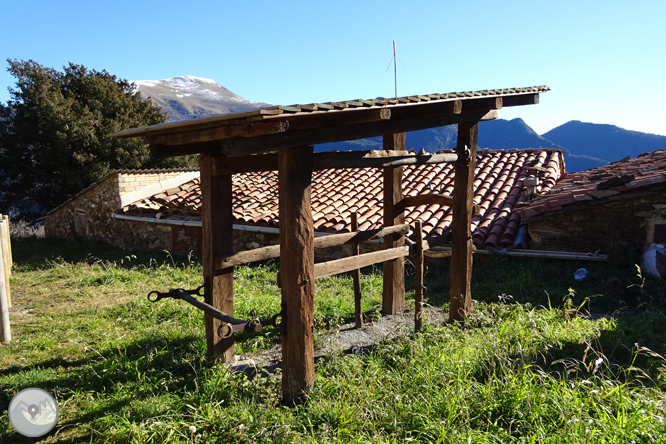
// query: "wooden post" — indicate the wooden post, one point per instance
point(296, 271)
point(217, 236)
point(5, 332)
point(393, 296)
point(7, 255)
point(356, 274)
point(418, 286)
point(461, 233)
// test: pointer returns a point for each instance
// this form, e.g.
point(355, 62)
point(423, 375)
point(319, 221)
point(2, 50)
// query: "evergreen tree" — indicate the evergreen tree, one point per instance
point(53, 133)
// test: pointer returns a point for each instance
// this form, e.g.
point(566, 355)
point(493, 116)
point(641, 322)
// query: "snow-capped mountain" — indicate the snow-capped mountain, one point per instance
point(189, 97)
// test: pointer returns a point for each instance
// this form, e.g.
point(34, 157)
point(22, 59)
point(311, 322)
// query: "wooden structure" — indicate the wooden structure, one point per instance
point(281, 138)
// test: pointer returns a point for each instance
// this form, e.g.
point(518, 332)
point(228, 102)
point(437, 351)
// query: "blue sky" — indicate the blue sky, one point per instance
point(604, 60)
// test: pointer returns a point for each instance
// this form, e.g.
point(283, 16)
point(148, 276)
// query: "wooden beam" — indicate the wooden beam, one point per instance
point(296, 272)
point(251, 129)
point(393, 295)
point(334, 240)
point(418, 284)
point(364, 159)
point(240, 146)
point(385, 162)
point(521, 99)
point(356, 276)
point(339, 118)
point(461, 246)
point(485, 104)
point(217, 236)
point(337, 266)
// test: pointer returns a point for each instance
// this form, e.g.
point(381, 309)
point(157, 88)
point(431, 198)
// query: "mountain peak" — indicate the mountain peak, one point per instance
point(190, 97)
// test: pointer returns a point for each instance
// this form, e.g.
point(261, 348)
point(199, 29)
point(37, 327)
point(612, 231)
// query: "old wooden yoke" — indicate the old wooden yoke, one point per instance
point(281, 138)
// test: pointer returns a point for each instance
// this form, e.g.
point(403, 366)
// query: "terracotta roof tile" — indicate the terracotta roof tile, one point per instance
point(630, 175)
point(336, 193)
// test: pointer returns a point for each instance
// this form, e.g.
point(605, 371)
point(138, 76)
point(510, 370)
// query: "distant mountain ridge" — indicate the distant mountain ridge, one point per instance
point(189, 97)
point(586, 145)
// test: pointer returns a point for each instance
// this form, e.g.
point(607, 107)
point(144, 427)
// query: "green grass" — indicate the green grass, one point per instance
point(524, 368)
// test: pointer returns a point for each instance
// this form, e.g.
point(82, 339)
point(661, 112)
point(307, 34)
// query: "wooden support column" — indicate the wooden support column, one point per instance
point(418, 272)
point(393, 299)
point(356, 275)
point(296, 271)
point(217, 231)
point(461, 233)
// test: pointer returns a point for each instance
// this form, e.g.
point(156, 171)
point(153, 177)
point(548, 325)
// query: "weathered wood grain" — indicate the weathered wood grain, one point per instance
point(461, 245)
point(296, 272)
point(217, 237)
point(393, 294)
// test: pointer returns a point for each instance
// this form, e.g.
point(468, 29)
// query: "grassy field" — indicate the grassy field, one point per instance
point(527, 367)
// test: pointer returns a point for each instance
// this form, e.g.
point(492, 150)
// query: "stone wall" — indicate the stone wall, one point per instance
point(621, 226)
point(87, 214)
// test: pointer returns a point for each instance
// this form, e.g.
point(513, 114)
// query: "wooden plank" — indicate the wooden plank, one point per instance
point(217, 236)
point(461, 245)
point(334, 240)
point(5, 332)
point(418, 284)
point(7, 255)
point(383, 162)
point(486, 103)
point(322, 161)
point(353, 116)
point(337, 266)
point(296, 272)
point(191, 125)
point(393, 294)
point(245, 129)
point(9, 242)
point(356, 275)
point(521, 99)
point(242, 146)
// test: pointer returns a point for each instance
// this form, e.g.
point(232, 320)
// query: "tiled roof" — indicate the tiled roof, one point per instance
point(498, 187)
point(624, 176)
point(279, 111)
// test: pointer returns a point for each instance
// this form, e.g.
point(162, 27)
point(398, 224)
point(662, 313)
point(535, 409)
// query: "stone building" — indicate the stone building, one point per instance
point(618, 209)
point(161, 209)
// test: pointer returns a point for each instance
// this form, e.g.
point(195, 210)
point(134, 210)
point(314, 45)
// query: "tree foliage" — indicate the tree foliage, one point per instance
point(53, 133)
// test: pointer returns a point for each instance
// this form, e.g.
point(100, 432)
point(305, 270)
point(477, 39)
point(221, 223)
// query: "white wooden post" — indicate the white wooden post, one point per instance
point(7, 254)
point(5, 333)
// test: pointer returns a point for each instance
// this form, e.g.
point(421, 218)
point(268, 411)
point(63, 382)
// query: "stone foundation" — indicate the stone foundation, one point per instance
point(622, 226)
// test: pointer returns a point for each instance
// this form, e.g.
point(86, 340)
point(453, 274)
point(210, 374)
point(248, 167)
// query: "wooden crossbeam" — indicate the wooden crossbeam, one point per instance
point(350, 263)
point(359, 159)
point(428, 199)
point(250, 129)
point(334, 240)
point(242, 146)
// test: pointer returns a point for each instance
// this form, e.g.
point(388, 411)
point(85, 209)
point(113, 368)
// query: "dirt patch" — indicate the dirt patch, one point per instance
point(344, 339)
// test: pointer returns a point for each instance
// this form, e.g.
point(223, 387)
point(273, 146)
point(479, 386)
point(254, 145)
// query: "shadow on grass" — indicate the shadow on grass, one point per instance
point(37, 253)
point(118, 378)
point(546, 282)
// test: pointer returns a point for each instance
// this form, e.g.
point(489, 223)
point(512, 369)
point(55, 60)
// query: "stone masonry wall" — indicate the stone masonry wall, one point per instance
point(88, 214)
point(621, 226)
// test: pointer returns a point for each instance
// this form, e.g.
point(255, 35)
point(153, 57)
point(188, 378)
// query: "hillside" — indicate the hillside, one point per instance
point(608, 142)
point(189, 97)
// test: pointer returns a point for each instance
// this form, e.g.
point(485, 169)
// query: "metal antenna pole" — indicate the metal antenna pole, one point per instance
point(395, 69)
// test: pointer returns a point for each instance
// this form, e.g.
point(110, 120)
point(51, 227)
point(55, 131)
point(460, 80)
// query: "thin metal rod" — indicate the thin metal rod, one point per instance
point(395, 69)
